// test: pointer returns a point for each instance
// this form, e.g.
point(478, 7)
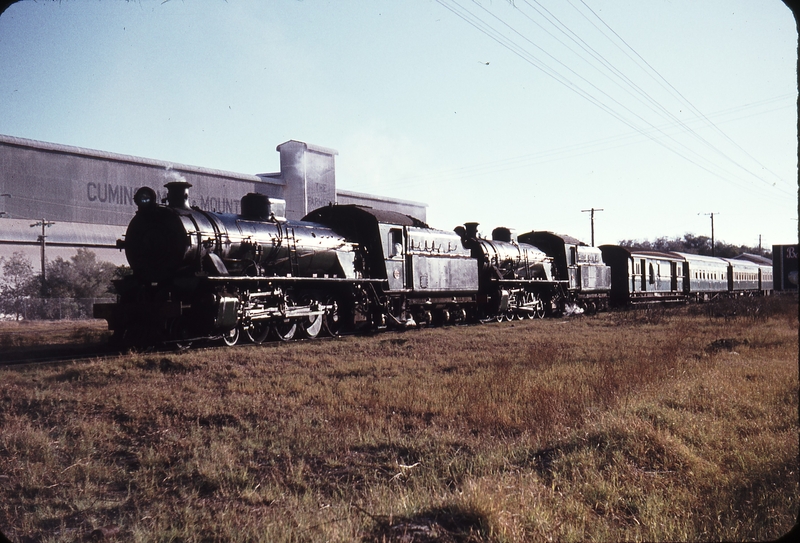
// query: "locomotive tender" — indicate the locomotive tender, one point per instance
point(203, 275)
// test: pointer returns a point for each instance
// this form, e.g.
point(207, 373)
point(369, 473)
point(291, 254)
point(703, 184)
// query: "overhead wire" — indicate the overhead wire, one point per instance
point(548, 71)
point(678, 95)
point(561, 153)
point(520, 50)
point(657, 107)
point(669, 116)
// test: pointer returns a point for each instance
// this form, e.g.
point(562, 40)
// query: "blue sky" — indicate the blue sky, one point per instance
point(518, 113)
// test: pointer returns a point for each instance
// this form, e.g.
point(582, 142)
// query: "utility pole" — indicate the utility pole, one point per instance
point(44, 224)
point(592, 211)
point(713, 245)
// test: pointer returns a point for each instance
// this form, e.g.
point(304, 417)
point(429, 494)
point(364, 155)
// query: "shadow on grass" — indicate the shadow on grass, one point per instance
point(450, 524)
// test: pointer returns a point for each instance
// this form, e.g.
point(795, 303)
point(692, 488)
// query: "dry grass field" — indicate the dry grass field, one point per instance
point(652, 425)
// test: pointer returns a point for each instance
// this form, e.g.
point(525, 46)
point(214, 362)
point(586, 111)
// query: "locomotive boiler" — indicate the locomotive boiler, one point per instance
point(163, 242)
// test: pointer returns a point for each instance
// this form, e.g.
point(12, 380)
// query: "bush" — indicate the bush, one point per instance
point(70, 290)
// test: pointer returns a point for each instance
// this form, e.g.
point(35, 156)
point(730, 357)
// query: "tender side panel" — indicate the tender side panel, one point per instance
point(437, 261)
point(443, 274)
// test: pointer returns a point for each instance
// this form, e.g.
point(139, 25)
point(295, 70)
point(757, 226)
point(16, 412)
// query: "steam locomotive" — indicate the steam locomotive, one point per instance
point(199, 275)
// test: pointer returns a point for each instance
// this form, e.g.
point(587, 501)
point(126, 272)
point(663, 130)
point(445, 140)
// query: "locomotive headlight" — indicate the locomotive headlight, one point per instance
point(145, 197)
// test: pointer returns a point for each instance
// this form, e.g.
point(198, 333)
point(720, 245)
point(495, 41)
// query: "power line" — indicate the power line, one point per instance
point(698, 160)
point(677, 94)
point(548, 155)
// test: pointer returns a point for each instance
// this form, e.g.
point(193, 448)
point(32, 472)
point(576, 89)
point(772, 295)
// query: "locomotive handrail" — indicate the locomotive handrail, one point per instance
point(289, 279)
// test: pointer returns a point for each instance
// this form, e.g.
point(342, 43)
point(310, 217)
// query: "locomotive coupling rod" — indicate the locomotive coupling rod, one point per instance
point(290, 312)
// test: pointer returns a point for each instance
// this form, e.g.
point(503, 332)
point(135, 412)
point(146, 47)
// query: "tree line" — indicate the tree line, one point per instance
point(689, 243)
point(66, 292)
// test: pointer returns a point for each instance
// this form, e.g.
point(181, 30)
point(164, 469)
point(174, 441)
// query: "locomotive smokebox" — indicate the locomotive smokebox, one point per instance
point(178, 194)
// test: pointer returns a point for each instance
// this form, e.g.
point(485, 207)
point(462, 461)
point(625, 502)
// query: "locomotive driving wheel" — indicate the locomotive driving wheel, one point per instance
point(511, 312)
point(286, 327)
point(312, 324)
point(332, 319)
point(179, 331)
point(230, 337)
point(539, 310)
point(257, 331)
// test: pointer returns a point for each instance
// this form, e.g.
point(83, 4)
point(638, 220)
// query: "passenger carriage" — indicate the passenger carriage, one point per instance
point(644, 276)
point(706, 277)
point(743, 277)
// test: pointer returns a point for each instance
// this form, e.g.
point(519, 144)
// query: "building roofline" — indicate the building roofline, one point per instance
point(310, 147)
point(105, 155)
point(377, 198)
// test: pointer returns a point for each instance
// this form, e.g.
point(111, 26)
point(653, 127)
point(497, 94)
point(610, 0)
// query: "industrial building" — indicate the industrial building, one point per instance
point(79, 197)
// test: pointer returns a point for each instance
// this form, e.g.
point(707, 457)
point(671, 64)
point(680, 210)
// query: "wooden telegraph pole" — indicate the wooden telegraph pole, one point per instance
point(592, 211)
point(713, 244)
point(44, 224)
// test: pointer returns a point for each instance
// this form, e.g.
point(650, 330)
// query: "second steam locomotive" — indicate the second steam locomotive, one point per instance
point(202, 275)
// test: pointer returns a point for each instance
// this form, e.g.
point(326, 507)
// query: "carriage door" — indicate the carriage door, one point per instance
point(395, 259)
point(644, 274)
point(673, 278)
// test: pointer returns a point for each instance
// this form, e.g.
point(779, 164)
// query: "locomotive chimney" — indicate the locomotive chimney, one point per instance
point(178, 194)
point(472, 229)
